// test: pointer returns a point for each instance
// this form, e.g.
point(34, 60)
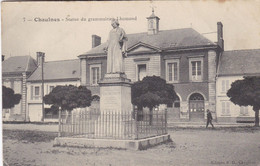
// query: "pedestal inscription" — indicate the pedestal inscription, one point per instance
point(115, 95)
point(110, 98)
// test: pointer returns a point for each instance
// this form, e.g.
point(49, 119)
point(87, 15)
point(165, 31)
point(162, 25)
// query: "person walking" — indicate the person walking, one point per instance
point(209, 119)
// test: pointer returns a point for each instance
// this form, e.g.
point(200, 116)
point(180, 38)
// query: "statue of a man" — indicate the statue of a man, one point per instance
point(116, 48)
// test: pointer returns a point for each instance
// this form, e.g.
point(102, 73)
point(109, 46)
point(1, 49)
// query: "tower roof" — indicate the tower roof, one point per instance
point(153, 15)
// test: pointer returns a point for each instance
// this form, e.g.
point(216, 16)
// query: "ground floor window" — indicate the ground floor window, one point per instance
point(243, 111)
point(225, 107)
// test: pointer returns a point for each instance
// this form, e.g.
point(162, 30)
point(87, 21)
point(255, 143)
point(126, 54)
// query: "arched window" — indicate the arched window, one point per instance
point(196, 103)
point(95, 98)
point(176, 103)
point(196, 97)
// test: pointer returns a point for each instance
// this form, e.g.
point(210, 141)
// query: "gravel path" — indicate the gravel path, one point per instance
point(195, 147)
point(32, 127)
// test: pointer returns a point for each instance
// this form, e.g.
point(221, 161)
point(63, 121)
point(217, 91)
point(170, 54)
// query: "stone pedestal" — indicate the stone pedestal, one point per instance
point(115, 107)
point(115, 93)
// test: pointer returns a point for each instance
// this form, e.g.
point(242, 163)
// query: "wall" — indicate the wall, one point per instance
point(155, 65)
point(221, 96)
point(34, 105)
point(17, 112)
point(152, 61)
point(184, 86)
point(184, 64)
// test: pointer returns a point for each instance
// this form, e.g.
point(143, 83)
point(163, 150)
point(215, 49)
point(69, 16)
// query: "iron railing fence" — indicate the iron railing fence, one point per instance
point(112, 124)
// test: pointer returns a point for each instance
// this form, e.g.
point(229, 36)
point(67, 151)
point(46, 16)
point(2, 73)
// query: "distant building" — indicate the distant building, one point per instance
point(183, 57)
point(15, 72)
point(64, 72)
point(234, 65)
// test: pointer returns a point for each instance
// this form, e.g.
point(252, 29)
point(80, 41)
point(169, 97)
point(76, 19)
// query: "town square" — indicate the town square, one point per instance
point(139, 85)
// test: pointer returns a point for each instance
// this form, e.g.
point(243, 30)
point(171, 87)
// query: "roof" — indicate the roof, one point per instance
point(240, 62)
point(153, 15)
point(19, 64)
point(58, 70)
point(167, 39)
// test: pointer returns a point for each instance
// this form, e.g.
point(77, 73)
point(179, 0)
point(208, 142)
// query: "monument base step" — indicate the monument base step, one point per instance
point(141, 144)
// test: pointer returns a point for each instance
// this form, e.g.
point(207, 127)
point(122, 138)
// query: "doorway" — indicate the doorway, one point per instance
point(196, 107)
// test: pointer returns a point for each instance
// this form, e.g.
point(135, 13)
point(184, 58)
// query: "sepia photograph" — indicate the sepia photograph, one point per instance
point(132, 83)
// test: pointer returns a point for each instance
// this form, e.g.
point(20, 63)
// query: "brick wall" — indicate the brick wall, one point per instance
point(212, 80)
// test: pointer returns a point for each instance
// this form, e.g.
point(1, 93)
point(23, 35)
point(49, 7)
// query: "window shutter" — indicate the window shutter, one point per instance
point(228, 108)
point(223, 108)
point(227, 85)
point(31, 92)
point(223, 86)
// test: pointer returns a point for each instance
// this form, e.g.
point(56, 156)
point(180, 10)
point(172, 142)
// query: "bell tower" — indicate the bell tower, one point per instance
point(153, 24)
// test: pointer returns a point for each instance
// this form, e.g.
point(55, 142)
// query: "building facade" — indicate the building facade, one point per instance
point(15, 72)
point(182, 57)
point(234, 65)
point(64, 72)
point(200, 70)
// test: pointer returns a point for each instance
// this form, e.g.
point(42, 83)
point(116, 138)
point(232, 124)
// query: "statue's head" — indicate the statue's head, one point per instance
point(114, 23)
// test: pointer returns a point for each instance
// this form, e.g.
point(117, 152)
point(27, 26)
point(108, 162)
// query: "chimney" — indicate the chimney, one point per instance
point(220, 36)
point(96, 40)
point(3, 58)
point(40, 58)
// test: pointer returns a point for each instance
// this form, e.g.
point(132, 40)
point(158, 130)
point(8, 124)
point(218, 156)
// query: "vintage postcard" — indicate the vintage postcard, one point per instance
point(134, 83)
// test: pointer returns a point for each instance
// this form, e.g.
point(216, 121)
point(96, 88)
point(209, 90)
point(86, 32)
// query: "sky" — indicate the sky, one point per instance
point(23, 34)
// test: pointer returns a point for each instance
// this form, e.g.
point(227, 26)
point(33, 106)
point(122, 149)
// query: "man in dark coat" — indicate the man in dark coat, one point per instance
point(209, 119)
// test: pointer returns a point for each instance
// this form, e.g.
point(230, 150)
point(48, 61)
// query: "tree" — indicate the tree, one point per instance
point(151, 92)
point(246, 92)
point(69, 97)
point(10, 99)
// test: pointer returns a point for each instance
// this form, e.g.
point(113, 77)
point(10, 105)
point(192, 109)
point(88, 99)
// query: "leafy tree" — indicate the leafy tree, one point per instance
point(69, 97)
point(10, 99)
point(151, 92)
point(246, 92)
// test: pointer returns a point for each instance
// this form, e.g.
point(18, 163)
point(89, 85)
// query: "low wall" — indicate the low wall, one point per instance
point(109, 143)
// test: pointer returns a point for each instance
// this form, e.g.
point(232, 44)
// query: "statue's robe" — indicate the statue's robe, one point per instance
point(116, 48)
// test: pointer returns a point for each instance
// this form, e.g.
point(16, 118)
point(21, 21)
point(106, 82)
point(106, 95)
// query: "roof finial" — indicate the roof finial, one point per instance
point(152, 6)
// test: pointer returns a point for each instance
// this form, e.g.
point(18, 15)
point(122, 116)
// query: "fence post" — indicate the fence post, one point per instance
point(157, 122)
point(136, 125)
point(59, 134)
point(166, 126)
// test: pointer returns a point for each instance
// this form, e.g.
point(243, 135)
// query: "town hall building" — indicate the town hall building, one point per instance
point(183, 57)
